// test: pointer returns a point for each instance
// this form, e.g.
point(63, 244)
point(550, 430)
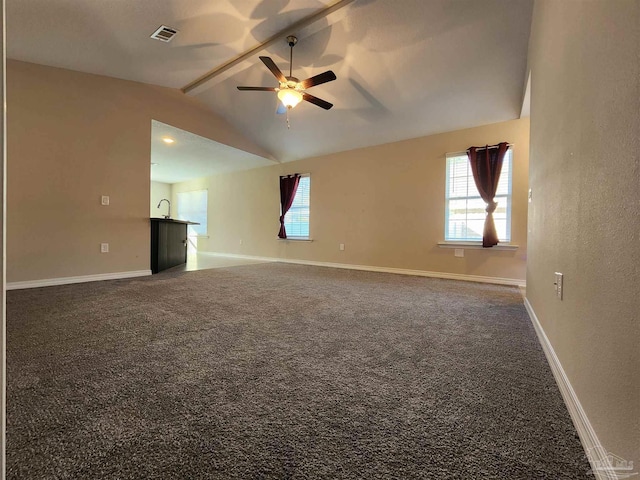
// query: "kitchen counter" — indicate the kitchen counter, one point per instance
point(172, 220)
point(168, 243)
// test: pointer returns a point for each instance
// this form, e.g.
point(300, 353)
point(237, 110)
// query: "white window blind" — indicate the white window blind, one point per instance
point(465, 210)
point(296, 221)
point(193, 206)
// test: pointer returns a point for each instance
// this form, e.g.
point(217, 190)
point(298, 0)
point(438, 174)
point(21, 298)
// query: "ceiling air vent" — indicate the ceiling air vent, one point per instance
point(164, 33)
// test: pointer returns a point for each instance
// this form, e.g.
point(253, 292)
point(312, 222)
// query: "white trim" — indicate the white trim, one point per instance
point(48, 282)
point(596, 454)
point(370, 268)
point(295, 239)
point(477, 246)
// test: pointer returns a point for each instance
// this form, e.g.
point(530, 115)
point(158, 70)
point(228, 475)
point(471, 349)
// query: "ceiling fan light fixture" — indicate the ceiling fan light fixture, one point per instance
point(289, 97)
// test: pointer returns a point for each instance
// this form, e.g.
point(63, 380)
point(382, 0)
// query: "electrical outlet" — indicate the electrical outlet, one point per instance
point(459, 252)
point(104, 200)
point(558, 284)
point(104, 248)
point(240, 241)
point(341, 246)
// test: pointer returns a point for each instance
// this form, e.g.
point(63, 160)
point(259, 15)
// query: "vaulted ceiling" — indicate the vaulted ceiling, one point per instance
point(405, 68)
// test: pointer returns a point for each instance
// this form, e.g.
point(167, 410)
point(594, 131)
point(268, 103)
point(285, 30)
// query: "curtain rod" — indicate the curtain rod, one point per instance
point(292, 174)
point(490, 147)
point(464, 152)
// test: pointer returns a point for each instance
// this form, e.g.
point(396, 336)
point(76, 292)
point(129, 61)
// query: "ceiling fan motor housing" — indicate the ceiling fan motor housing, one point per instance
point(292, 82)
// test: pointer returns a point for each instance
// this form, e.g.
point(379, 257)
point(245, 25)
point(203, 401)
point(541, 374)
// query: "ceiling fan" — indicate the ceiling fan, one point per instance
point(291, 91)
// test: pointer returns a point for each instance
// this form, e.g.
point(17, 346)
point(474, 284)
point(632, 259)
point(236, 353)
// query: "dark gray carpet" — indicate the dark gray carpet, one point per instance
point(281, 371)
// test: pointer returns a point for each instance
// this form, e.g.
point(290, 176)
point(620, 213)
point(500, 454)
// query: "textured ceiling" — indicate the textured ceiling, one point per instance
point(111, 37)
point(405, 68)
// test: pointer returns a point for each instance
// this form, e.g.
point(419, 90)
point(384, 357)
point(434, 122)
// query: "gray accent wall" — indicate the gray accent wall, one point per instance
point(584, 217)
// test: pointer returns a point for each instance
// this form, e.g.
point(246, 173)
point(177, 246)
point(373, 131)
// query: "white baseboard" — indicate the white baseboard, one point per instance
point(48, 282)
point(370, 268)
point(598, 456)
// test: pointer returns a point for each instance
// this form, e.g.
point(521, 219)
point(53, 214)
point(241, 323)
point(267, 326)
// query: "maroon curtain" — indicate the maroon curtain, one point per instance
point(288, 188)
point(486, 165)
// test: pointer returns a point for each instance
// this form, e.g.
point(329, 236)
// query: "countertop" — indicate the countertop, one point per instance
point(172, 220)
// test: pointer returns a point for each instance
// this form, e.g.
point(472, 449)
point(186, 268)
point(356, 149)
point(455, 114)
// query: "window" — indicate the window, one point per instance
point(296, 221)
point(192, 206)
point(465, 210)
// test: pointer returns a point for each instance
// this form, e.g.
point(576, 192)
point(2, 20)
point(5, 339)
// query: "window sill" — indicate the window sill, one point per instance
point(296, 239)
point(477, 245)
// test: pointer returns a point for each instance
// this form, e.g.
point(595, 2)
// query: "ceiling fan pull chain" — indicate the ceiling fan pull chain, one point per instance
point(288, 124)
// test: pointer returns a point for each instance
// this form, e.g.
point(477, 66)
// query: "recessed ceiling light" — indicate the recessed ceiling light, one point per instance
point(168, 140)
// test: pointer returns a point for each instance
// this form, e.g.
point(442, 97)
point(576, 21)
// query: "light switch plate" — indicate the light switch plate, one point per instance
point(558, 284)
point(104, 248)
point(104, 200)
point(341, 246)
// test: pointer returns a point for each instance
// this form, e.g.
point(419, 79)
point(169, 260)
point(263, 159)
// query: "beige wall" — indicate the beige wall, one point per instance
point(385, 203)
point(584, 220)
point(73, 137)
point(159, 191)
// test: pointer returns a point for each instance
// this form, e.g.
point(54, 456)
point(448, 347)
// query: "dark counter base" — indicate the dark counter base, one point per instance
point(168, 243)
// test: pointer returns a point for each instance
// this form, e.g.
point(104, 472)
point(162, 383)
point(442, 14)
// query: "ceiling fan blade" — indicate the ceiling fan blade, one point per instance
point(317, 101)
point(325, 77)
point(258, 89)
point(274, 69)
point(281, 109)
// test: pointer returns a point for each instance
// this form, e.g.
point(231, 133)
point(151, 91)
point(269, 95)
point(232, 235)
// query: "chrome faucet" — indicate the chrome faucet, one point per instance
point(168, 215)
